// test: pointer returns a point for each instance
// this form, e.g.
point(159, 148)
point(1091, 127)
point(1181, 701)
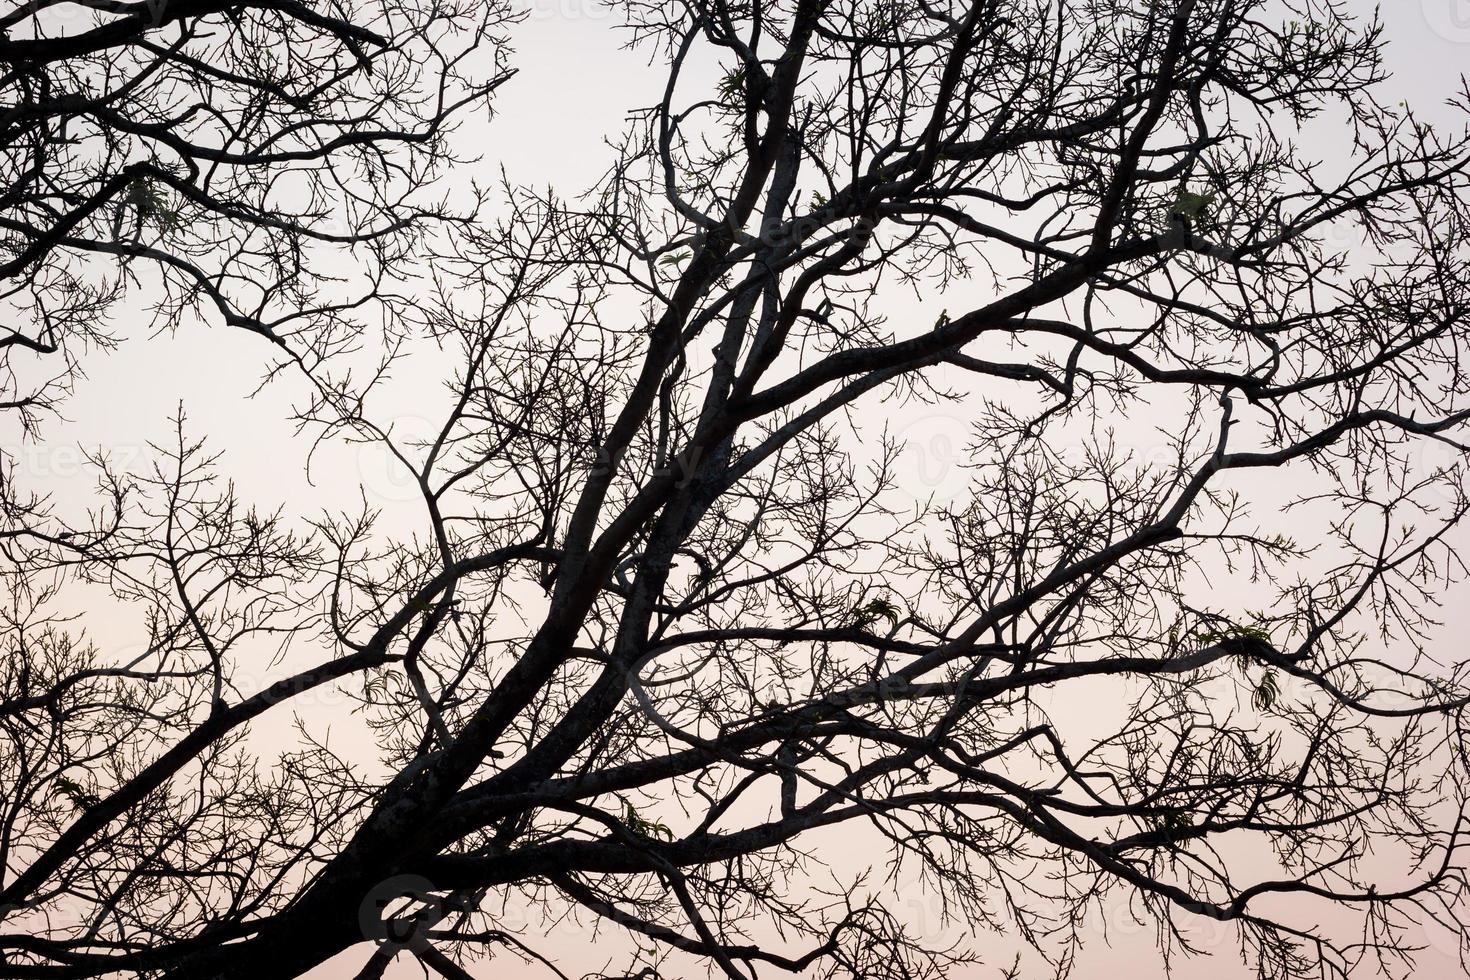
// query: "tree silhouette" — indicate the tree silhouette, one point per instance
point(670, 616)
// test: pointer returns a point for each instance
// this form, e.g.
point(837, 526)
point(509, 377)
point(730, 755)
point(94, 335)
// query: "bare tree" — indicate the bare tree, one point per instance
point(670, 613)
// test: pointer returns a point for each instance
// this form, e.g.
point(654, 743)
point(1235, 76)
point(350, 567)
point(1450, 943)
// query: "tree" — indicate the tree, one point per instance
point(661, 449)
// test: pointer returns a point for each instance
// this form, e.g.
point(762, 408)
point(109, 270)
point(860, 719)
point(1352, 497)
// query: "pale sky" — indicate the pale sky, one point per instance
point(574, 87)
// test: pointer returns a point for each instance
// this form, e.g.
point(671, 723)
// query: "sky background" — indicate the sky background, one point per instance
point(575, 85)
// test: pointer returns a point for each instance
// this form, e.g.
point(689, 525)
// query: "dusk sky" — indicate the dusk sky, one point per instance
point(577, 81)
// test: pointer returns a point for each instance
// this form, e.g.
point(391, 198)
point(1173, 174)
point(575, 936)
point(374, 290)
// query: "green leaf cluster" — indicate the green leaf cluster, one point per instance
point(1194, 208)
point(866, 615)
point(72, 790)
point(152, 204)
point(645, 828)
